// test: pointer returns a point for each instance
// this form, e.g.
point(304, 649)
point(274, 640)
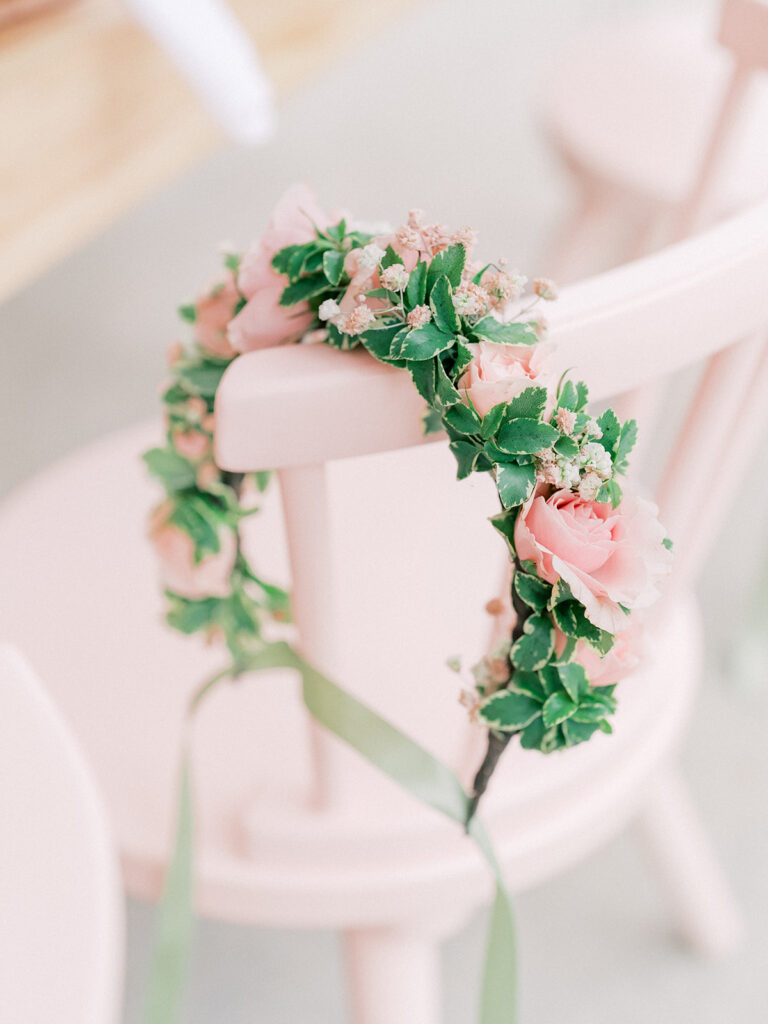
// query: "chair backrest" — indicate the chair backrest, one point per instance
point(702, 302)
point(60, 902)
point(743, 29)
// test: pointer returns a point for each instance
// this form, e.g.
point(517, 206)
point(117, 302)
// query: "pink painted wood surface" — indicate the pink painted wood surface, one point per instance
point(61, 923)
point(632, 105)
point(680, 853)
point(744, 31)
point(393, 976)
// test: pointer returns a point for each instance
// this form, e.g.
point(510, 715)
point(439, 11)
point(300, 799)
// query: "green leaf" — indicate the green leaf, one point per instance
point(534, 734)
point(175, 395)
point(441, 304)
point(201, 378)
point(533, 649)
point(611, 429)
point(379, 340)
point(495, 454)
point(423, 375)
point(550, 679)
point(445, 391)
point(173, 469)
point(505, 334)
point(523, 436)
point(416, 289)
point(333, 265)
point(449, 262)
point(515, 483)
point(466, 455)
point(190, 616)
point(560, 592)
point(533, 591)
point(566, 446)
point(529, 683)
point(574, 680)
point(421, 343)
point(627, 440)
point(610, 491)
point(504, 523)
point(572, 620)
point(668, 543)
point(567, 653)
point(188, 313)
point(567, 398)
point(582, 395)
point(509, 711)
point(431, 421)
point(391, 257)
point(262, 478)
point(195, 520)
point(558, 708)
point(297, 261)
point(529, 404)
point(463, 419)
point(492, 420)
point(337, 231)
point(303, 289)
point(282, 258)
point(578, 732)
point(464, 356)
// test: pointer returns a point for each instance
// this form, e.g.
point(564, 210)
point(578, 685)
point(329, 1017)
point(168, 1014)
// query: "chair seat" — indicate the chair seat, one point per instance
point(632, 105)
point(80, 597)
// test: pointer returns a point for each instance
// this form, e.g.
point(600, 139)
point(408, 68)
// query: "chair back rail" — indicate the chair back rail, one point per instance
point(303, 405)
point(743, 29)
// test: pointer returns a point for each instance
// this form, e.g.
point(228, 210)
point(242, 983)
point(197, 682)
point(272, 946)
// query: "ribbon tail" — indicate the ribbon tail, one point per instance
point(173, 938)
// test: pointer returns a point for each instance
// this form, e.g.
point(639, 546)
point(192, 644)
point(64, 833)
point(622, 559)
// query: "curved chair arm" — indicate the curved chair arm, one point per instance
point(300, 404)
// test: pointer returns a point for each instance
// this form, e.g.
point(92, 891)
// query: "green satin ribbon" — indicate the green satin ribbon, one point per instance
point(173, 936)
point(406, 763)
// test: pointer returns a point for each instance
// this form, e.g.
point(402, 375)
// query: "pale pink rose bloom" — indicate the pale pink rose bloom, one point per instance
point(498, 373)
point(364, 279)
point(191, 444)
point(622, 659)
point(213, 312)
point(262, 322)
point(608, 557)
point(175, 551)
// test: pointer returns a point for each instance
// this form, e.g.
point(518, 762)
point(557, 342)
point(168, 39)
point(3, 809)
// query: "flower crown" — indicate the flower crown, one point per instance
point(583, 555)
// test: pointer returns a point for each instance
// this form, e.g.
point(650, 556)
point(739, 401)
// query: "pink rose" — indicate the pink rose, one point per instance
point(498, 372)
point(213, 311)
point(622, 659)
point(608, 557)
point(191, 444)
point(262, 322)
point(175, 550)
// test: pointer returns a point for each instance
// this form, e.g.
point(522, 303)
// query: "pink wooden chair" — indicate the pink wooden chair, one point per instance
point(662, 127)
point(294, 829)
point(61, 920)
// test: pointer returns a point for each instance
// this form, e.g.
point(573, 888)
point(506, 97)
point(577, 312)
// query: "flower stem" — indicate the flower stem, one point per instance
point(498, 741)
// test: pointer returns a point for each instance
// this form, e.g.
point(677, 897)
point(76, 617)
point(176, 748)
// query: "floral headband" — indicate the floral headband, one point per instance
point(583, 554)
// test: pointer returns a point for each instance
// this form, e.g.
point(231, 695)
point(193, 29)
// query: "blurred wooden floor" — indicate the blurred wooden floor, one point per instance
point(94, 116)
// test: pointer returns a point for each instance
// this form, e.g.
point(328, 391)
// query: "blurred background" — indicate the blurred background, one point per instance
point(117, 186)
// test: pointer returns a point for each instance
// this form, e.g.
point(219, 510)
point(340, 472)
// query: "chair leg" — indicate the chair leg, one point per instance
point(393, 976)
point(679, 849)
